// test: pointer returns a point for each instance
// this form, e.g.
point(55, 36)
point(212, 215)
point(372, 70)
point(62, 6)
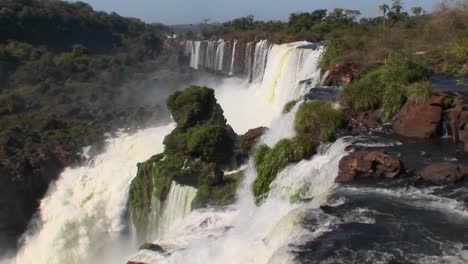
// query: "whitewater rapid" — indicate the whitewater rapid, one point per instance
point(82, 217)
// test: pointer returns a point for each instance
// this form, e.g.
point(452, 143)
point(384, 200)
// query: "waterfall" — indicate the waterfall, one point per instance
point(260, 60)
point(255, 234)
point(219, 58)
point(81, 217)
point(233, 58)
point(195, 55)
point(248, 61)
point(188, 47)
point(210, 54)
point(177, 205)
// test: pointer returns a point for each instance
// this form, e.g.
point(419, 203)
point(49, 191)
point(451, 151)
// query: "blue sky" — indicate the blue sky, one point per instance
point(194, 11)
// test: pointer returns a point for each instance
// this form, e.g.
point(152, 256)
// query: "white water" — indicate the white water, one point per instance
point(82, 214)
point(245, 233)
point(219, 57)
point(260, 60)
point(177, 205)
point(233, 58)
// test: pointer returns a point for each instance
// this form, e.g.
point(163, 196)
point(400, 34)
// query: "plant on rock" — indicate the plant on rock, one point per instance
point(318, 120)
point(270, 161)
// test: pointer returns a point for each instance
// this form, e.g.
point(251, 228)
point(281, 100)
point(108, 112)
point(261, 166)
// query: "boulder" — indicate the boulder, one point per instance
point(444, 173)
point(457, 121)
point(340, 74)
point(362, 122)
point(368, 164)
point(420, 120)
point(250, 138)
point(152, 247)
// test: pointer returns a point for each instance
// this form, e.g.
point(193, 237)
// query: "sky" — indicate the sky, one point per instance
point(172, 12)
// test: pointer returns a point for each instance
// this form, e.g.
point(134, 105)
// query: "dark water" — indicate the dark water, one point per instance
point(382, 225)
point(450, 83)
point(391, 221)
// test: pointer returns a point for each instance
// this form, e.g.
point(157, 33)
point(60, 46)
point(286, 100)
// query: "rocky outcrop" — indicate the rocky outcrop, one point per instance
point(369, 164)
point(420, 120)
point(359, 122)
point(195, 151)
point(340, 74)
point(444, 173)
point(250, 139)
point(457, 121)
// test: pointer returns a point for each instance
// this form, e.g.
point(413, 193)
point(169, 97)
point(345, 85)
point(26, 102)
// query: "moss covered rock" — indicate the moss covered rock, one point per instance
point(195, 151)
point(318, 120)
point(270, 161)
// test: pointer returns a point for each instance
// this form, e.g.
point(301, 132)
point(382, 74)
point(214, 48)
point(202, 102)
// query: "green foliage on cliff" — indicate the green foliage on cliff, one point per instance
point(201, 141)
point(420, 92)
point(193, 106)
point(289, 106)
point(385, 86)
point(318, 119)
point(270, 161)
point(394, 97)
point(220, 195)
point(333, 52)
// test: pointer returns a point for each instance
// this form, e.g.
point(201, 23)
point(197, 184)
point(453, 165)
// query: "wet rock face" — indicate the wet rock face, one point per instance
point(250, 138)
point(457, 121)
point(362, 122)
point(444, 173)
point(215, 175)
point(368, 164)
point(340, 74)
point(420, 120)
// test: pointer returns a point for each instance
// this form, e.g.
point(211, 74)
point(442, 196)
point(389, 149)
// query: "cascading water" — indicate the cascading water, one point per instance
point(219, 58)
point(176, 207)
point(248, 61)
point(195, 55)
point(260, 60)
point(233, 57)
point(82, 215)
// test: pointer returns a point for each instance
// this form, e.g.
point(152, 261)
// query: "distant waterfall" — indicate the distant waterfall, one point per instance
point(219, 58)
point(233, 58)
point(260, 60)
point(195, 55)
point(248, 60)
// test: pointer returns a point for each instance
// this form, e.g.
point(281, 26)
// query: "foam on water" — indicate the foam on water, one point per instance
point(82, 214)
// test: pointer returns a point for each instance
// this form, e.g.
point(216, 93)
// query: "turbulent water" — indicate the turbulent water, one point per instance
point(81, 217)
point(306, 218)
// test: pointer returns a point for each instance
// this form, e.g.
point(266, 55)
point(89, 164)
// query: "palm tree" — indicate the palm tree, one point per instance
point(417, 11)
point(384, 8)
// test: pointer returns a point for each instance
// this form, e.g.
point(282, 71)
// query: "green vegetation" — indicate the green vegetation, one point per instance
point(393, 99)
point(200, 144)
point(289, 106)
point(270, 161)
point(223, 194)
point(318, 120)
point(386, 86)
point(420, 92)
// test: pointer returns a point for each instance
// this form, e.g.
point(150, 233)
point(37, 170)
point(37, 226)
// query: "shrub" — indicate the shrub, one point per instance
point(211, 142)
point(370, 92)
point(318, 119)
point(335, 50)
point(289, 106)
point(269, 161)
point(420, 92)
point(193, 106)
point(394, 97)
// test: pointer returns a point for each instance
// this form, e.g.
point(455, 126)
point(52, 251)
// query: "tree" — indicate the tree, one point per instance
point(395, 14)
point(417, 11)
point(384, 8)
